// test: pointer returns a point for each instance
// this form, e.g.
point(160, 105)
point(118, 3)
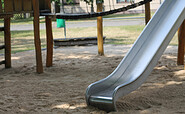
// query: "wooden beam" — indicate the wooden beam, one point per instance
point(100, 30)
point(7, 39)
point(147, 12)
point(1, 9)
point(49, 36)
point(181, 46)
point(81, 41)
point(37, 37)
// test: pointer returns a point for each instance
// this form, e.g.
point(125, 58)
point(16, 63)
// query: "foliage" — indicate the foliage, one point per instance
point(2, 2)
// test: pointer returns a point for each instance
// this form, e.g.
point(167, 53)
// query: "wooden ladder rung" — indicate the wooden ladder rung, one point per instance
point(1, 28)
point(2, 62)
point(2, 47)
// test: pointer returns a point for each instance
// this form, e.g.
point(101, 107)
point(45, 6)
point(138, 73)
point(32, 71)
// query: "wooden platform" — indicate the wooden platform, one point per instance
point(76, 41)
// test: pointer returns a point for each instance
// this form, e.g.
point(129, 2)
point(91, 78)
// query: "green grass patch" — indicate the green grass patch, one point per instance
point(23, 40)
point(122, 35)
point(22, 21)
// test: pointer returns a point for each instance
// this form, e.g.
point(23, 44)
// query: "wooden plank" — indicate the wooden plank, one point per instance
point(8, 6)
point(27, 5)
point(37, 37)
point(147, 12)
point(49, 36)
point(1, 8)
point(53, 15)
point(76, 43)
point(181, 46)
point(82, 41)
point(77, 39)
point(100, 30)
point(18, 5)
point(7, 39)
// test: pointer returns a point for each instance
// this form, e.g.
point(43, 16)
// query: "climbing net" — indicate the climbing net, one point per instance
point(104, 13)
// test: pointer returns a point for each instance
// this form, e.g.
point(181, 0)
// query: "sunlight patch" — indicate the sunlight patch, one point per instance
point(62, 106)
point(15, 58)
point(67, 106)
point(174, 83)
point(180, 72)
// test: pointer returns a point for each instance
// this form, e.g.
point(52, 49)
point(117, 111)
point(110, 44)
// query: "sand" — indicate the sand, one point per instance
point(61, 88)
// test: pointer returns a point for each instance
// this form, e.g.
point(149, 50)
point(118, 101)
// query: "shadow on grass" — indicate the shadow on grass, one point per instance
point(120, 40)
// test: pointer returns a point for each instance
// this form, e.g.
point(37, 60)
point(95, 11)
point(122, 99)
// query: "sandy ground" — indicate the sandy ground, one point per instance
point(61, 88)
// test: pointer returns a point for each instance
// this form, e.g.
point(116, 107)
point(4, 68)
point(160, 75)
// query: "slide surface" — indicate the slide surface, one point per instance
point(141, 59)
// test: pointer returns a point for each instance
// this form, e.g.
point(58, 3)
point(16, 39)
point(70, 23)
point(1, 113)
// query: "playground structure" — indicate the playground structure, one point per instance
point(12, 7)
point(41, 7)
point(95, 96)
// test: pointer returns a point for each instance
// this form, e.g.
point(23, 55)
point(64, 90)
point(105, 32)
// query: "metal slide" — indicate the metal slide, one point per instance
point(141, 59)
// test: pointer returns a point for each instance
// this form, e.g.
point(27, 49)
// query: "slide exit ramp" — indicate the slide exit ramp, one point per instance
point(141, 59)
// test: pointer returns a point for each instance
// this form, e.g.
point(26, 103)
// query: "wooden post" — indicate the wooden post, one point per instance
point(37, 37)
point(49, 36)
point(147, 12)
point(7, 39)
point(100, 30)
point(181, 47)
point(1, 10)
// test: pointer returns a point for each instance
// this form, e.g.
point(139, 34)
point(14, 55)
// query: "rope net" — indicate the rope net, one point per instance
point(104, 13)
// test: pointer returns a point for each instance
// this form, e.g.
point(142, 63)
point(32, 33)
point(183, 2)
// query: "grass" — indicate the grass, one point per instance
point(22, 21)
point(124, 35)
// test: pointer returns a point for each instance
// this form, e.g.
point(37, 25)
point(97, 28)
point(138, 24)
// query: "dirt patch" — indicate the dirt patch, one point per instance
point(61, 88)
